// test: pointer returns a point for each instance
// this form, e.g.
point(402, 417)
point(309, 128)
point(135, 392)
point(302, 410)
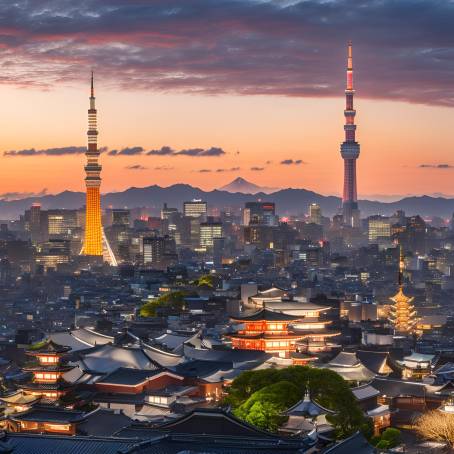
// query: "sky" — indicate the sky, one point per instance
point(204, 91)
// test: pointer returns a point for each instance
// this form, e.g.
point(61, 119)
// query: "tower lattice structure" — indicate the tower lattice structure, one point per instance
point(93, 228)
point(350, 151)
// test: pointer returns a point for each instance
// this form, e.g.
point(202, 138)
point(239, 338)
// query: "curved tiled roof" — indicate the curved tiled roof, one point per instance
point(265, 314)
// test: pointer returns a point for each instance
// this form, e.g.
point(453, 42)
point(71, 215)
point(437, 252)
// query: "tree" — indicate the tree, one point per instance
point(172, 300)
point(264, 407)
point(326, 387)
point(436, 426)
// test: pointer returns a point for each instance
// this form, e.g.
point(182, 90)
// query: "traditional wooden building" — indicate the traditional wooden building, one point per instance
point(267, 331)
point(48, 365)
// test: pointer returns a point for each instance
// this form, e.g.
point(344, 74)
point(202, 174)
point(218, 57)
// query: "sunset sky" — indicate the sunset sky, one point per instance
point(203, 91)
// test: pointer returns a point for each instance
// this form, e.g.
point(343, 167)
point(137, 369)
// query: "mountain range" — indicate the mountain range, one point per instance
point(288, 201)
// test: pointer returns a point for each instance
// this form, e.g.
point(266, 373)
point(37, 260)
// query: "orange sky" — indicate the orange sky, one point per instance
point(395, 137)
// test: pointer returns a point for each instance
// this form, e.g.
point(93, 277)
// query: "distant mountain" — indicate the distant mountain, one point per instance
point(288, 201)
point(246, 187)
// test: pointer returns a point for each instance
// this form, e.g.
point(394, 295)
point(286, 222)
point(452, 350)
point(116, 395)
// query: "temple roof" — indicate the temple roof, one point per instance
point(24, 443)
point(266, 315)
point(107, 358)
point(47, 346)
point(400, 297)
point(373, 360)
point(307, 407)
point(365, 392)
point(349, 367)
point(394, 388)
point(19, 398)
point(130, 377)
point(49, 414)
point(356, 444)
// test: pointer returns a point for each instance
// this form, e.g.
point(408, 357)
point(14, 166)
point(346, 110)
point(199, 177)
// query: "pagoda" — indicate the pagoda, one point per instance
point(403, 313)
point(48, 365)
point(267, 331)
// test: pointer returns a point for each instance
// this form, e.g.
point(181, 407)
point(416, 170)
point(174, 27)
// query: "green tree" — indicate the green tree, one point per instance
point(264, 407)
point(326, 387)
point(172, 300)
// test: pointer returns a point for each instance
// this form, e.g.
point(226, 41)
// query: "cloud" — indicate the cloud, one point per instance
point(257, 169)
point(231, 169)
point(436, 166)
point(8, 196)
point(129, 151)
point(289, 162)
point(136, 167)
point(165, 168)
point(289, 48)
point(46, 151)
point(194, 152)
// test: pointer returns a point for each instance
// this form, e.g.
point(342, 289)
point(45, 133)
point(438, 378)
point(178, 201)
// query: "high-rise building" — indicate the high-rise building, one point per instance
point(158, 251)
point(262, 213)
point(209, 230)
point(93, 229)
point(195, 208)
point(379, 229)
point(35, 223)
point(315, 214)
point(350, 152)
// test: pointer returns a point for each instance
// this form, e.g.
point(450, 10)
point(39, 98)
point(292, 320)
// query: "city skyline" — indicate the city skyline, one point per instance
point(276, 126)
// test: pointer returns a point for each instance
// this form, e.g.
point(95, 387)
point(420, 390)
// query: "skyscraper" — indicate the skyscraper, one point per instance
point(93, 229)
point(350, 151)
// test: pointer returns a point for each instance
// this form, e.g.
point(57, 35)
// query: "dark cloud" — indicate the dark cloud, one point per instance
point(289, 162)
point(129, 151)
point(436, 166)
point(46, 152)
point(7, 196)
point(257, 169)
point(231, 169)
point(136, 167)
point(195, 152)
point(404, 50)
point(165, 168)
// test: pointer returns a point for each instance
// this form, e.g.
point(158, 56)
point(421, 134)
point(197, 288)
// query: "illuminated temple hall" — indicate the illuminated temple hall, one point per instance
point(285, 330)
point(403, 313)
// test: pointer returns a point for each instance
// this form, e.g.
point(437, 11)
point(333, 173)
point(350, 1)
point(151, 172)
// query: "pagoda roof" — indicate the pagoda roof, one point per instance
point(307, 407)
point(47, 346)
point(47, 368)
point(266, 315)
point(19, 397)
point(400, 297)
point(56, 386)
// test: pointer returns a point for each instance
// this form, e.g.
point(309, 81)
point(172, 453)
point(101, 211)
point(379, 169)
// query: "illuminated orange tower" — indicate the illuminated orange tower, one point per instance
point(93, 229)
point(350, 151)
point(403, 313)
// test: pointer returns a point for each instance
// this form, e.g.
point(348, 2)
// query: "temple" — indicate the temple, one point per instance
point(403, 313)
point(286, 329)
point(48, 367)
